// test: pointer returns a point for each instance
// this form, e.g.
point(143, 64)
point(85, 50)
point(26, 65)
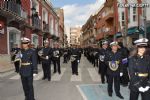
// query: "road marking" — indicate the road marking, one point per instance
point(16, 77)
point(77, 77)
point(94, 74)
point(81, 92)
point(57, 77)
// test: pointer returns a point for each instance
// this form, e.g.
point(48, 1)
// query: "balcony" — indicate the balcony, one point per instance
point(46, 27)
point(36, 23)
point(109, 15)
point(12, 11)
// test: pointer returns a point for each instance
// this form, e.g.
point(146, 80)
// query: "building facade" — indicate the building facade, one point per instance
point(120, 20)
point(35, 19)
point(89, 31)
point(75, 35)
point(60, 13)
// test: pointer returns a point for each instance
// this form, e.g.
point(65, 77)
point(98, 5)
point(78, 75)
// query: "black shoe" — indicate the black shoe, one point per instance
point(120, 96)
point(49, 79)
point(54, 72)
point(110, 94)
point(43, 78)
point(77, 74)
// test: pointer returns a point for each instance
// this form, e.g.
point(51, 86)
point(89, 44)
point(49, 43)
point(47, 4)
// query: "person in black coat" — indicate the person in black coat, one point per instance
point(102, 64)
point(28, 68)
point(45, 54)
point(14, 53)
point(74, 60)
point(139, 71)
point(56, 58)
point(113, 60)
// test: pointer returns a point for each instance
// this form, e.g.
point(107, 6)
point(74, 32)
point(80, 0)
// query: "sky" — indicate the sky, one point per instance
point(76, 12)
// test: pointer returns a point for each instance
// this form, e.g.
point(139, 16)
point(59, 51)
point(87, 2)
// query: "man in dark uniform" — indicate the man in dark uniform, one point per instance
point(16, 62)
point(45, 54)
point(74, 60)
point(102, 64)
point(65, 55)
point(124, 52)
point(56, 58)
point(114, 60)
point(28, 68)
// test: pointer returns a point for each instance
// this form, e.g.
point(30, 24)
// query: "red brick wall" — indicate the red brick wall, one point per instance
point(3, 39)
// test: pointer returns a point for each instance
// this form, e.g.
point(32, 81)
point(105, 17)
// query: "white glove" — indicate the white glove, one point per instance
point(78, 61)
point(146, 88)
point(34, 75)
point(47, 57)
point(141, 89)
point(121, 74)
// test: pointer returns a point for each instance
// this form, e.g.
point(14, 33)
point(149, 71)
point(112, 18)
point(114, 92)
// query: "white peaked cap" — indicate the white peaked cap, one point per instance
point(46, 41)
point(141, 42)
point(113, 43)
point(25, 39)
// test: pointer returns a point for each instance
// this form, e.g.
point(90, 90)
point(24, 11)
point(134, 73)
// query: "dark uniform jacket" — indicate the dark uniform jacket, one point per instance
point(102, 54)
point(28, 56)
point(113, 61)
point(46, 52)
point(56, 54)
point(74, 54)
point(14, 51)
point(137, 66)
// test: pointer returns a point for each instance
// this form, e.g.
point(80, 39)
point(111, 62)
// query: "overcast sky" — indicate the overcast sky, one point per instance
point(77, 12)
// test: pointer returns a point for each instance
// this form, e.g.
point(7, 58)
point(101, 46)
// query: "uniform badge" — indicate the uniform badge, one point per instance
point(113, 65)
point(101, 58)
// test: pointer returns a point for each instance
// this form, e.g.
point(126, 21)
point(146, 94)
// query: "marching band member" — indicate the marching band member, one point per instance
point(114, 71)
point(28, 68)
point(139, 71)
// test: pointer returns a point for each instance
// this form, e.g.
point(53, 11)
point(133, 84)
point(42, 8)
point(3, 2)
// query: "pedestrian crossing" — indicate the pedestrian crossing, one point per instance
point(94, 76)
point(77, 77)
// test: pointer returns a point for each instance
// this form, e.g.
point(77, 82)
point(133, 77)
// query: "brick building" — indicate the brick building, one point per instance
point(35, 19)
point(89, 31)
point(60, 13)
point(113, 21)
point(75, 33)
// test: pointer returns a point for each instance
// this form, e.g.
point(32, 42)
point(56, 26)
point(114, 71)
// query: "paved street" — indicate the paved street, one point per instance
point(85, 86)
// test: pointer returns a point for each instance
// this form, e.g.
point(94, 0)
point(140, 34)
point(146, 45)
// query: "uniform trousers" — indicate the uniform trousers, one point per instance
point(134, 95)
point(46, 70)
point(116, 80)
point(27, 83)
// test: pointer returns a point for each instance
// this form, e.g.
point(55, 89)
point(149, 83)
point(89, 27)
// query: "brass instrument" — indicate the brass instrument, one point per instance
point(41, 54)
point(73, 58)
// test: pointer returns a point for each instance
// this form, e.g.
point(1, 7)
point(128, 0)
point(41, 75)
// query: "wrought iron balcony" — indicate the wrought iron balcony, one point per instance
point(45, 27)
point(36, 22)
point(12, 9)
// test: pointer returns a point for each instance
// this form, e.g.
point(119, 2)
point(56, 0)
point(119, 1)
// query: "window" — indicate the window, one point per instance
point(123, 23)
point(123, 19)
point(134, 14)
point(123, 16)
point(129, 14)
point(34, 39)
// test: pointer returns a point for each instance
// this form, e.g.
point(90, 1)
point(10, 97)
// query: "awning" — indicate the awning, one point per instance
point(147, 30)
point(133, 30)
point(118, 34)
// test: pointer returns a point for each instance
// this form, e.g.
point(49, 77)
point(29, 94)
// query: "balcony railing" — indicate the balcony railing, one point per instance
point(36, 22)
point(14, 8)
point(46, 27)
